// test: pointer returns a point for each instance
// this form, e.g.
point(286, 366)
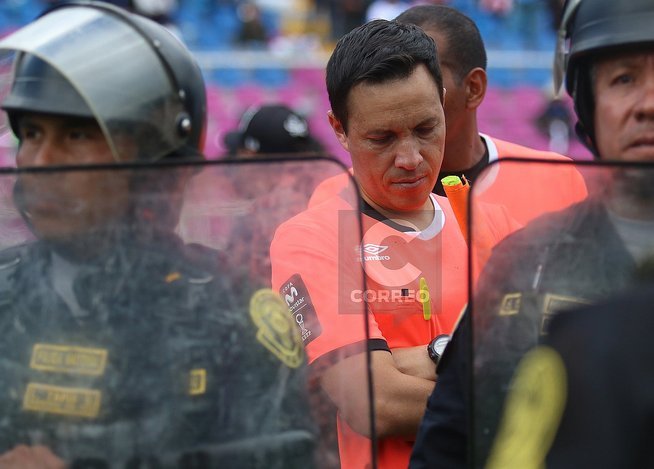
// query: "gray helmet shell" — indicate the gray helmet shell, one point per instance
point(127, 72)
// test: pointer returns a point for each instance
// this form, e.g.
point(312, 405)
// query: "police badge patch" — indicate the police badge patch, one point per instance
point(275, 329)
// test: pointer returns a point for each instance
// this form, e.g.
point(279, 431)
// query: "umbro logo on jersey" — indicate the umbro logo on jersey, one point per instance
point(374, 249)
point(371, 252)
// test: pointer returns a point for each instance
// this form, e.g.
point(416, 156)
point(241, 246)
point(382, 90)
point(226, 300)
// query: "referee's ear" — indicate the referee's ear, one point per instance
point(339, 130)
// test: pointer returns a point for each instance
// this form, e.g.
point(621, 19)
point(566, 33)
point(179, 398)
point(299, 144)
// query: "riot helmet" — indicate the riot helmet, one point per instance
point(590, 28)
point(38, 87)
point(95, 60)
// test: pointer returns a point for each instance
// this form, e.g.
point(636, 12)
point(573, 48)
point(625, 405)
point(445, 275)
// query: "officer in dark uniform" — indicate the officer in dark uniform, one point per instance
point(122, 346)
point(582, 398)
point(562, 260)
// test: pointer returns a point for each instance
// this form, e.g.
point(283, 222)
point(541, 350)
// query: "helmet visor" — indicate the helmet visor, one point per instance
point(116, 72)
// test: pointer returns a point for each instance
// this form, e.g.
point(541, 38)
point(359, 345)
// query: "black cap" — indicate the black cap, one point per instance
point(271, 128)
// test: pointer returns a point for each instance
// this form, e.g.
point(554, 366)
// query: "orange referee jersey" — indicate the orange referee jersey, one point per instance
point(526, 189)
point(415, 289)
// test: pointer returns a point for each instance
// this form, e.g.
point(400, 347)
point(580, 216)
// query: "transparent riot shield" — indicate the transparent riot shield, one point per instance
point(527, 269)
point(140, 324)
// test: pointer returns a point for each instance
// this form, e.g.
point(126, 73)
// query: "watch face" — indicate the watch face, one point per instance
point(440, 343)
point(437, 346)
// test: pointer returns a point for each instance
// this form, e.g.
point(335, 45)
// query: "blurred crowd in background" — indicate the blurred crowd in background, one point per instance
point(255, 52)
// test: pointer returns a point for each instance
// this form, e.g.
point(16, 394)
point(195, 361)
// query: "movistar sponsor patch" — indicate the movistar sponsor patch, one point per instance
point(296, 295)
point(61, 400)
point(68, 359)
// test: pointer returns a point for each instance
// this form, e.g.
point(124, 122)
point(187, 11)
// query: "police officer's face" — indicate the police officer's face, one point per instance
point(65, 203)
point(51, 141)
point(624, 110)
point(395, 136)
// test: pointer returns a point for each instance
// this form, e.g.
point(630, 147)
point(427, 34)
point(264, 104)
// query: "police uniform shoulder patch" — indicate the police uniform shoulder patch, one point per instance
point(533, 411)
point(510, 304)
point(275, 329)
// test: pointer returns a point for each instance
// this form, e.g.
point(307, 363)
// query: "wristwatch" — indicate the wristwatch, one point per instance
point(437, 346)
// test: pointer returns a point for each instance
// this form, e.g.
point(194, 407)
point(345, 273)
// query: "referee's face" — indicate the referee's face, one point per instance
point(395, 136)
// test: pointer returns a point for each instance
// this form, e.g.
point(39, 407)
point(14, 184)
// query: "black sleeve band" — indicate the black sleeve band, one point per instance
point(336, 355)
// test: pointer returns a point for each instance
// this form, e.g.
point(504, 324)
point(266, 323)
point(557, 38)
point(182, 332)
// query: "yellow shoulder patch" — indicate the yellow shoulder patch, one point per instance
point(532, 413)
point(275, 331)
point(510, 304)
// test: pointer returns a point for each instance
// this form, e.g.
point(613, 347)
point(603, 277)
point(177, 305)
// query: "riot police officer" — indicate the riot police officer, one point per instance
point(123, 347)
point(579, 255)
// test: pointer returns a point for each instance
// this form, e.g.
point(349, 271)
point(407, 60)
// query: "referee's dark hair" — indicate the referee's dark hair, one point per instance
point(465, 46)
point(377, 52)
